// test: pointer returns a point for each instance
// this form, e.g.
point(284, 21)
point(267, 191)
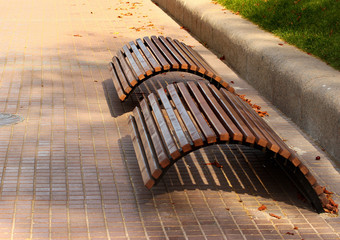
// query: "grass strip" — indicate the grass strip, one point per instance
point(311, 25)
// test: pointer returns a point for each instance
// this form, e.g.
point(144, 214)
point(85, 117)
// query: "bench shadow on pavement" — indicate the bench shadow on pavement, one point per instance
point(243, 169)
point(246, 172)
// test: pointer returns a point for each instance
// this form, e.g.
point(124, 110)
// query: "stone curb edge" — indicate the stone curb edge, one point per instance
point(301, 86)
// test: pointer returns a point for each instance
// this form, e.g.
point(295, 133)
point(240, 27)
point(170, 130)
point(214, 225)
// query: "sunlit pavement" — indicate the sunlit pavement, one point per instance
point(68, 170)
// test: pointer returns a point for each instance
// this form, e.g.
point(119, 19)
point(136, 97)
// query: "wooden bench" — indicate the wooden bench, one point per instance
point(185, 117)
point(140, 60)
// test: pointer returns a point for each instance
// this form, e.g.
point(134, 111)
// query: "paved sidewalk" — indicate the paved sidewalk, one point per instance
point(68, 171)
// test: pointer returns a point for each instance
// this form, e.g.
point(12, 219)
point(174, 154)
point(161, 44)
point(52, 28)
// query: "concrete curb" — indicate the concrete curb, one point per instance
point(301, 86)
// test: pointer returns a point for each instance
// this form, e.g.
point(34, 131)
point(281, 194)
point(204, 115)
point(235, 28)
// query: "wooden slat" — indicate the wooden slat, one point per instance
point(175, 54)
point(223, 117)
point(155, 170)
point(247, 119)
point(121, 77)
point(181, 138)
point(116, 83)
point(201, 68)
point(147, 69)
point(165, 65)
point(157, 142)
point(154, 63)
point(134, 65)
point(166, 53)
point(192, 66)
point(164, 129)
point(205, 128)
point(273, 145)
point(209, 71)
point(126, 69)
point(140, 154)
point(193, 132)
point(270, 133)
point(247, 134)
point(209, 113)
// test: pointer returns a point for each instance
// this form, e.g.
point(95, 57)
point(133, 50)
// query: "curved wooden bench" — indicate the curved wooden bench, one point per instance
point(140, 60)
point(185, 117)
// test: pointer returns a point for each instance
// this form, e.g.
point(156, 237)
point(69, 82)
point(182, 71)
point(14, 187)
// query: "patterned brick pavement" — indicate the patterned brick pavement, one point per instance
point(68, 171)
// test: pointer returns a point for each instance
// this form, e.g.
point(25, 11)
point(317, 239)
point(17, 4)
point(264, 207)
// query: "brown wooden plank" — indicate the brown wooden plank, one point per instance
point(234, 132)
point(209, 71)
point(193, 132)
point(180, 135)
point(174, 53)
point(156, 139)
point(295, 160)
point(164, 129)
point(311, 179)
point(154, 63)
point(126, 69)
point(134, 66)
point(192, 66)
point(122, 79)
point(201, 122)
point(117, 83)
point(208, 112)
point(200, 67)
point(165, 52)
point(247, 134)
point(151, 156)
point(255, 120)
point(248, 119)
point(140, 154)
point(270, 134)
point(165, 65)
point(147, 69)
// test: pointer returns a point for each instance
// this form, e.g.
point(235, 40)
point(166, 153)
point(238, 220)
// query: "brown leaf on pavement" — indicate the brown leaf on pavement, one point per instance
point(274, 215)
point(262, 207)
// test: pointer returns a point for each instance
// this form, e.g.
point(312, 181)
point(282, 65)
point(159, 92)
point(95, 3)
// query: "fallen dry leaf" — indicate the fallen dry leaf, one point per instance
point(326, 191)
point(274, 215)
point(332, 202)
point(262, 207)
point(77, 35)
point(216, 164)
point(254, 106)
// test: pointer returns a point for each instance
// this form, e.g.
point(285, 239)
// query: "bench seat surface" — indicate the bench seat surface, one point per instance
point(183, 117)
point(140, 60)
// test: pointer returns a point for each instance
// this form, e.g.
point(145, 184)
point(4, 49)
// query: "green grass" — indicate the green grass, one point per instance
point(311, 25)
